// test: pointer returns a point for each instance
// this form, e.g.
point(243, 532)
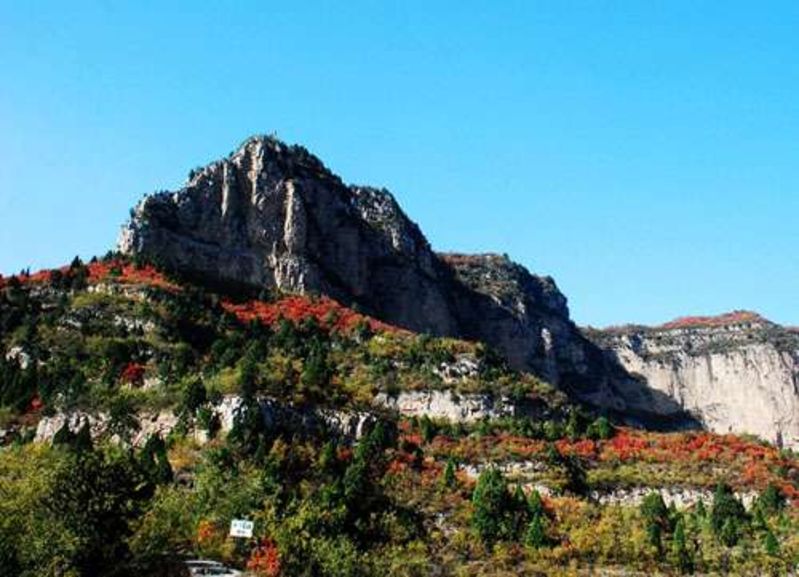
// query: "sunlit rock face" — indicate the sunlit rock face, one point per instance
point(737, 373)
point(273, 216)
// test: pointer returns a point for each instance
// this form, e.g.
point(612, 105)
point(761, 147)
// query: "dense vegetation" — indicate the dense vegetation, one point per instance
point(533, 493)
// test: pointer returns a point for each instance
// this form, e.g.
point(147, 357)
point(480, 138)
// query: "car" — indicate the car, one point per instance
point(203, 567)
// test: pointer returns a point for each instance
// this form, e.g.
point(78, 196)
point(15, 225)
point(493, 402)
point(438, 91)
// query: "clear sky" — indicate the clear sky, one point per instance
point(645, 154)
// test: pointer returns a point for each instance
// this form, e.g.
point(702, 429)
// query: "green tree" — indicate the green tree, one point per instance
point(771, 501)
point(154, 461)
point(93, 498)
point(491, 502)
point(194, 396)
point(681, 556)
point(535, 536)
point(727, 515)
point(122, 420)
point(771, 544)
point(428, 429)
point(656, 516)
point(449, 480)
point(316, 371)
point(600, 429)
point(573, 425)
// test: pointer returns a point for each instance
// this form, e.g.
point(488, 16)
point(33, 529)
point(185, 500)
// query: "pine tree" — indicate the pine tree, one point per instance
point(327, 458)
point(536, 535)
point(727, 515)
point(771, 544)
point(449, 480)
point(490, 501)
point(729, 533)
point(679, 549)
point(771, 501)
point(63, 436)
point(83, 439)
point(428, 430)
point(656, 515)
point(535, 503)
point(573, 427)
point(700, 511)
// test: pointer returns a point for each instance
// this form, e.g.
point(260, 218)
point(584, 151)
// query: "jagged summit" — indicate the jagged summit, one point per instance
point(272, 215)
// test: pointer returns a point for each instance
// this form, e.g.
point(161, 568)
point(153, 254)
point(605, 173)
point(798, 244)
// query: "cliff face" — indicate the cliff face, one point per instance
point(736, 373)
point(272, 216)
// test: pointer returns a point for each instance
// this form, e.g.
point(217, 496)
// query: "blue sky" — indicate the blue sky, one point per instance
point(643, 153)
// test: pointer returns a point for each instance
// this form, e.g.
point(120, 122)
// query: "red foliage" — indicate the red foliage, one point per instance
point(128, 274)
point(626, 445)
point(102, 271)
point(344, 454)
point(206, 532)
point(265, 560)
point(327, 312)
point(585, 448)
point(733, 318)
point(133, 374)
point(36, 404)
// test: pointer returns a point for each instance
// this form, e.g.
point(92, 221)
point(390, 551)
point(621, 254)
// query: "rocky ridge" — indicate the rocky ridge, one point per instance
point(273, 216)
point(736, 372)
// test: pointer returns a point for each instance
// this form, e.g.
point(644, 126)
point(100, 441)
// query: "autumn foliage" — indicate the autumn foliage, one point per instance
point(296, 308)
point(732, 318)
point(265, 560)
point(100, 271)
point(133, 374)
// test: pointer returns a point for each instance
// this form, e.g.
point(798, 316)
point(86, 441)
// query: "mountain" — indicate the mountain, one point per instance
point(273, 345)
point(273, 216)
point(736, 372)
point(141, 413)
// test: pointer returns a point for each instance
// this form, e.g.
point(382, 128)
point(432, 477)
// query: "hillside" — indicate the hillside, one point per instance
point(271, 344)
point(162, 409)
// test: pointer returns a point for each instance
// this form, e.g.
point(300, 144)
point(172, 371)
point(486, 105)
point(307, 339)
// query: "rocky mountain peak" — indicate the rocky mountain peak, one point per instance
point(271, 215)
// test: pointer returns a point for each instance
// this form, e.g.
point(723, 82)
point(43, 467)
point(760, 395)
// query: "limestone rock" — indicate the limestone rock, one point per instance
point(273, 216)
point(737, 373)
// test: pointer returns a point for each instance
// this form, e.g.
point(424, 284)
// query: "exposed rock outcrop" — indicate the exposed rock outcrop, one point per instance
point(272, 216)
point(736, 373)
point(346, 424)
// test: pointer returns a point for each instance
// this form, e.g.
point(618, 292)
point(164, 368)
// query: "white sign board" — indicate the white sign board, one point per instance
point(241, 528)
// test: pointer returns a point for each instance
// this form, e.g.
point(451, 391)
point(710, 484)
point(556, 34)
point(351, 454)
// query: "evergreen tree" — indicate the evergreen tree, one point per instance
point(491, 504)
point(679, 550)
point(316, 371)
point(154, 461)
point(729, 533)
point(449, 480)
point(656, 516)
point(63, 436)
point(771, 501)
point(327, 458)
point(427, 428)
point(535, 536)
point(727, 515)
point(535, 503)
point(573, 425)
point(700, 510)
point(83, 438)
point(771, 544)
point(194, 397)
